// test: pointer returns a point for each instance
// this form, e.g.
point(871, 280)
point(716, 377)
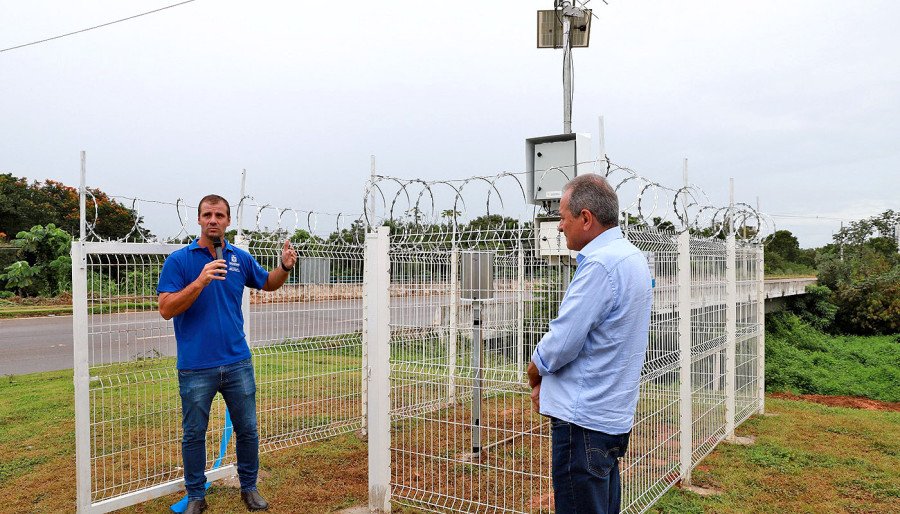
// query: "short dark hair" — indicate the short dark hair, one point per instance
point(214, 199)
point(593, 192)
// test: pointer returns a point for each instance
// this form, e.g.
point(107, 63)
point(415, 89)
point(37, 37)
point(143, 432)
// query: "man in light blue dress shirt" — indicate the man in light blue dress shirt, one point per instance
point(585, 372)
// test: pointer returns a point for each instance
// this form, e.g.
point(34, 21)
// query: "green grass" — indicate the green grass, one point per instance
point(807, 458)
point(801, 359)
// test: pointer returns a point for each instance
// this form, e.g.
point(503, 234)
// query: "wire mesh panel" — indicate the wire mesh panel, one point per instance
point(305, 340)
point(464, 436)
point(708, 344)
point(651, 465)
point(135, 408)
point(748, 258)
point(307, 343)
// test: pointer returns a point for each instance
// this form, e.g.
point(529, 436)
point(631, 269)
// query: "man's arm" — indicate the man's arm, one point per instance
point(173, 304)
point(278, 276)
point(589, 300)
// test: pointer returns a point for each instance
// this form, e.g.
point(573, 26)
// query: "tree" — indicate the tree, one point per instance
point(862, 268)
point(783, 255)
point(24, 205)
point(44, 266)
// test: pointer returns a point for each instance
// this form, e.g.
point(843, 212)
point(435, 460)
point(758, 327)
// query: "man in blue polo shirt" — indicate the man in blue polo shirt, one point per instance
point(586, 370)
point(203, 295)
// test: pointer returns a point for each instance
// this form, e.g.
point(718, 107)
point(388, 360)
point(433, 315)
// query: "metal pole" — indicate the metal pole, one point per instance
point(239, 237)
point(684, 352)
point(761, 328)
point(567, 76)
point(81, 378)
point(82, 200)
point(454, 319)
point(730, 333)
point(476, 389)
point(366, 339)
point(241, 243)
point(377, 321)
point(520, 311)
point(81, 355)
point(730, 229)
point(372, 193)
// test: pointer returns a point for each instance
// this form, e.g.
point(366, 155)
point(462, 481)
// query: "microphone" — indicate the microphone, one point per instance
point(217, 244)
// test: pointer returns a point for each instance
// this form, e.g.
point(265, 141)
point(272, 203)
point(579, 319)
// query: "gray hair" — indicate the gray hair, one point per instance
point(593, 192)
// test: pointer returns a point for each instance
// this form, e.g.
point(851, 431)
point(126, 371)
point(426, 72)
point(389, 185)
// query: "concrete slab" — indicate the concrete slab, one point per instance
point(354, 510)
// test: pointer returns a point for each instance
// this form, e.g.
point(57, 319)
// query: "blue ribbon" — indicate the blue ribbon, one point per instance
point(181, 505)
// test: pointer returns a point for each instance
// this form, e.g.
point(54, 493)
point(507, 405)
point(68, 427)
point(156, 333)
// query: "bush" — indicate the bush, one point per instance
point(802, 359)
point(815, 307)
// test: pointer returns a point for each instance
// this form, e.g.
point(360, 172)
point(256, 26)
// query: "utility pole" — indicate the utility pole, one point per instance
point(569, 11)
point(567, 71)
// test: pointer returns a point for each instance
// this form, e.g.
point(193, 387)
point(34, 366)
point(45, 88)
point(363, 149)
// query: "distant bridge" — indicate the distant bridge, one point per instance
point(777, 289)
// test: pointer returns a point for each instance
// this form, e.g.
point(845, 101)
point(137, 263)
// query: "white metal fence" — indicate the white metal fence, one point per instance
point(377, 335)
point(306, 343)
point(463, 438)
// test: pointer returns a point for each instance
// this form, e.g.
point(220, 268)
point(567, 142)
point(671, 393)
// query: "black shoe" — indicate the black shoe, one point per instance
point(254, 501)
point(195, 507)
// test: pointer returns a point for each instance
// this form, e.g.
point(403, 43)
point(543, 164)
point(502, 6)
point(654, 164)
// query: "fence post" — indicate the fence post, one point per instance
point(81, 354)
point(686, 422)
point(761, 328)
point(377, 322)
point(81, 378)
point(730, 332)
point(366, 341)
point(520, 311)
point(454, 322)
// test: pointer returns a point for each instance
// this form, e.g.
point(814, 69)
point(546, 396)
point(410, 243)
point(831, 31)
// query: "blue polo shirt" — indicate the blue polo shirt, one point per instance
point(210, 332)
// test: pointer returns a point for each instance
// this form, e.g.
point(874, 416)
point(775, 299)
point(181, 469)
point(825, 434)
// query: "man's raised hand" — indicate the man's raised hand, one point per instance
point(288, 255)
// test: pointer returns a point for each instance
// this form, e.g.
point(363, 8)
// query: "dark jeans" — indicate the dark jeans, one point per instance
point(586, 469)
point(238, 388)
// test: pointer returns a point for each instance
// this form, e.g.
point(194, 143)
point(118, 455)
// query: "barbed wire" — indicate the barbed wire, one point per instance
point(649, 203)
point(479, 209)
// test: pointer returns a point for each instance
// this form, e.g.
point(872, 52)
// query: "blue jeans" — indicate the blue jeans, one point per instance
point(586, 469)
point(197, 388)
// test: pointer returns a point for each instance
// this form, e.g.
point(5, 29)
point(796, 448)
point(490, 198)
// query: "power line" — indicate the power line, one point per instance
point(800, 216)
point(96, 26)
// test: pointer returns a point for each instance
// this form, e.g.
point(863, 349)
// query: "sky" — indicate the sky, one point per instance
point(798, 101)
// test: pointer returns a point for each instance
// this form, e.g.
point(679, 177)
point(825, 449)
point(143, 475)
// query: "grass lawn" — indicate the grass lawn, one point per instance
point(807, 458)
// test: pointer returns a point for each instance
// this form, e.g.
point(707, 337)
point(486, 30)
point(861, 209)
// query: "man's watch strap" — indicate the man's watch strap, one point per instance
point(285, 268)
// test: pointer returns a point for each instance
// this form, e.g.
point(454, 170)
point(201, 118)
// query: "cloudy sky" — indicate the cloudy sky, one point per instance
point(798, 101)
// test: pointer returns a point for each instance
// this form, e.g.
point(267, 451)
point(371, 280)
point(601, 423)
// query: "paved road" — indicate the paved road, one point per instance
point(30, 345)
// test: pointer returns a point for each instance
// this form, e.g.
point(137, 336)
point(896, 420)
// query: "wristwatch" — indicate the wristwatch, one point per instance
point(287, 270)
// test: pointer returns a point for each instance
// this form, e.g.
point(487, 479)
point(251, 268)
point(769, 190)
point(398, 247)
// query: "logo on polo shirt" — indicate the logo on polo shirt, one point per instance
point(235, 265)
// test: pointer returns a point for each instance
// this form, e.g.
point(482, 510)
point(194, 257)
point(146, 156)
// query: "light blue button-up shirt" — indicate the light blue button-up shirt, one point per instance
point(591, 357)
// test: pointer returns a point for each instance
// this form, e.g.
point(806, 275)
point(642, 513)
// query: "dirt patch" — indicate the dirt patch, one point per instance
point(852, 402)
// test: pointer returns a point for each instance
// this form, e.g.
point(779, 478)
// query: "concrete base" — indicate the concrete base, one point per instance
point(354, 510)
point(702, 491)
point(471, 457)
point(741, 441)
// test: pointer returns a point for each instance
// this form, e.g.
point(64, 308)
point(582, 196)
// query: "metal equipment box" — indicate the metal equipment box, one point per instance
point(476, 275)
point(551, 161)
